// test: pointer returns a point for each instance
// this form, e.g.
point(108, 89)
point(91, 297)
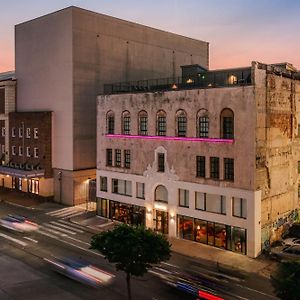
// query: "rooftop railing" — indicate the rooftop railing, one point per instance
point(209, 79)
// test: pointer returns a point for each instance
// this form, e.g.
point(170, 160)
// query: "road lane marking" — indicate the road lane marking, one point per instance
point(170, 265)
point(13, 239)
point(256, 291)
point(71, 244)
point(30, 239)
point(67, 226)
point(73, 224)
point(73, 214)
point(59, 229)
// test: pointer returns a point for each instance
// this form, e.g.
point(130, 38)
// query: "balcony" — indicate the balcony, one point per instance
point(201, 80)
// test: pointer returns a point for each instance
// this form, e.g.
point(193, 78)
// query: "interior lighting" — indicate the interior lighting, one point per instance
point(190, 80)
point(160, 206)
point(174, 86)
point(170, 138)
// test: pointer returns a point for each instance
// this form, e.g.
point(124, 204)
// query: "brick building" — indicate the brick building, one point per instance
point(211, 157)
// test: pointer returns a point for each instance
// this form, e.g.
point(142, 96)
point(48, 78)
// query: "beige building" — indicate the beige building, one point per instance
point(62, 61)
point(211, 158)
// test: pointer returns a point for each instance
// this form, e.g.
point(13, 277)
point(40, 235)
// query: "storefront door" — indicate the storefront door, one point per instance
point(161, 221)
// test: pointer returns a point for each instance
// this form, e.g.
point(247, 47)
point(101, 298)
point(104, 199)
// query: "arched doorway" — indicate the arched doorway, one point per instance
point(160, 212)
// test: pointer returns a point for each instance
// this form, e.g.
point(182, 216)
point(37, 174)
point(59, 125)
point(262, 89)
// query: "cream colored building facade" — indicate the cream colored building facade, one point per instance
point(223, 171)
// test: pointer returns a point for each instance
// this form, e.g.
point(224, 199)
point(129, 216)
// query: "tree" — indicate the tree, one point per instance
point(286, 280)
point(132, 249)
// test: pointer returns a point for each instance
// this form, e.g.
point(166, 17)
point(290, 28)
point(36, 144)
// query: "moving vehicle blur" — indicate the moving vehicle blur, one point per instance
point(286, 252)
point(291, 241)
point(18, 223)
point(80, 271)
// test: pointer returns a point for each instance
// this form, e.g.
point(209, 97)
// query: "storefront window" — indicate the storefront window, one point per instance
point(220, 235)
point(238, 240)
point(186, 228)
point(201, 231)
point(210, 234)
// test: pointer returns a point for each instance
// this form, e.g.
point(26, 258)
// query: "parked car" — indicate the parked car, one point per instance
point(291, 241)
point(18, 223)
point(81, 271)
point(286, 252)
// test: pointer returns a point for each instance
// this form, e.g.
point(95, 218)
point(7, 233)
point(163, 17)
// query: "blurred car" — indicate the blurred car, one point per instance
point(293, 231)
point(80, 271)
point(286, 252)
point(188, 284)
point(18, 223)
point(291, 241)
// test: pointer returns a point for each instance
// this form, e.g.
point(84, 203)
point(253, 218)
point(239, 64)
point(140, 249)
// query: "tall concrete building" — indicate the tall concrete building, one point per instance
point(62, 62)
point(213, 157)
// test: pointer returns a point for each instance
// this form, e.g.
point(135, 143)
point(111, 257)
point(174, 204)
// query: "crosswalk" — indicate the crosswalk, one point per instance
point(67, 212)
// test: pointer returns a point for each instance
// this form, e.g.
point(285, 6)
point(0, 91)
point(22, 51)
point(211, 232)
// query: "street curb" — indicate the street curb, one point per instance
point(18, 205)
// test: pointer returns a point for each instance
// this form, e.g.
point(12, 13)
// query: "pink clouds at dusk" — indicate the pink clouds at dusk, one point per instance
point(238, 31)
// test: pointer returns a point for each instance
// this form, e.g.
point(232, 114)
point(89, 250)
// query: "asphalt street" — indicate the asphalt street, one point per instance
point(24, 273)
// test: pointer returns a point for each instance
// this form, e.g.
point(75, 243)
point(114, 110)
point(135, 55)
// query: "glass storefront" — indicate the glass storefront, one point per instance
point(161, 221)
point(126, 213)
point(211, 233)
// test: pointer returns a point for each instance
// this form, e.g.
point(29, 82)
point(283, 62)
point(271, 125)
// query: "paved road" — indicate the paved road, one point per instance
point(24, 273)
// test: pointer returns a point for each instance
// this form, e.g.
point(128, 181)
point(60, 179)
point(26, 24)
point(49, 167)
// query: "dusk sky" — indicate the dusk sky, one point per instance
point(238, 31)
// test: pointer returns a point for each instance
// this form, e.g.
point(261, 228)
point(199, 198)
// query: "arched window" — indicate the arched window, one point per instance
point(126, 122)
point(227, 124)
point(143, 123)
point(161, 123)
point(110, 122)
point(161, 194)
point(181, 122)
point(202, 123)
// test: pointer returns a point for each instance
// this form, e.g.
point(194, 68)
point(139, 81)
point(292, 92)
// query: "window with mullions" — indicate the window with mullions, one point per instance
point(227, 124)
point(214, 168)
point(117, 157)
point(143, 123)
point(203, 127)
point(126, 122)
point(110, 121)
point(181, 123)
point(161, 126)
point(229, 169)
point(103, 184)
point(200, 161)
point(239, 207)
point(122, 187)
point(183, 198)
point(109, 157)
point(127, 159)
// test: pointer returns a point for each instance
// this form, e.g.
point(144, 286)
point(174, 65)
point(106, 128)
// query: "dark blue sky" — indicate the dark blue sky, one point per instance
point(238, 31)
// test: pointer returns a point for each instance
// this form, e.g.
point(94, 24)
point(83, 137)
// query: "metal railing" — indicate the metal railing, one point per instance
point(210, 79)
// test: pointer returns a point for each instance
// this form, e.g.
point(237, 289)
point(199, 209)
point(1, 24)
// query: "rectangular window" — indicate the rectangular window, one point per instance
point(200, 199)
point(28, 154)
point(103, 184)
point(227, 127)
point(200, 161)
point(13, 132)
point(3, 149)
point(181, 123)
point(161, 126)
point(214, 168)
point(298, 167)
point(20, 132)
point(299, 190)
point(229, 169)
point(127, 159)
point(143, 125)
point(122, 187)
point(20, 151)
point(117, 157)
point(35, 133)
point(160, 162)
point(28, 133)
point(140, 190)
point(126, 125)
point(109, 157)
point(203, 127)
point(36, 152)
point(3, 131)
point(13, 150)
point(215, 203)
point(239, 207)
point(2, 101)
point(183, 198)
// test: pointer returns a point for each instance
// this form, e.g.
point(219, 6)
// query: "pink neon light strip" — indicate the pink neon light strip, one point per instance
point(170, 138)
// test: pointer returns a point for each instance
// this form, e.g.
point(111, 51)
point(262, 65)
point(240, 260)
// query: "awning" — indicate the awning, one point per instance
point(21, 173)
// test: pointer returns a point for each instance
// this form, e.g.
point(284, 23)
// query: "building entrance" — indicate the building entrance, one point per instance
point(161, 221)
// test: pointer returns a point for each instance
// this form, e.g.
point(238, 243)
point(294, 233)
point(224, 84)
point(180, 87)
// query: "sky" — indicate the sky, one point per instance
point(238, 31)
